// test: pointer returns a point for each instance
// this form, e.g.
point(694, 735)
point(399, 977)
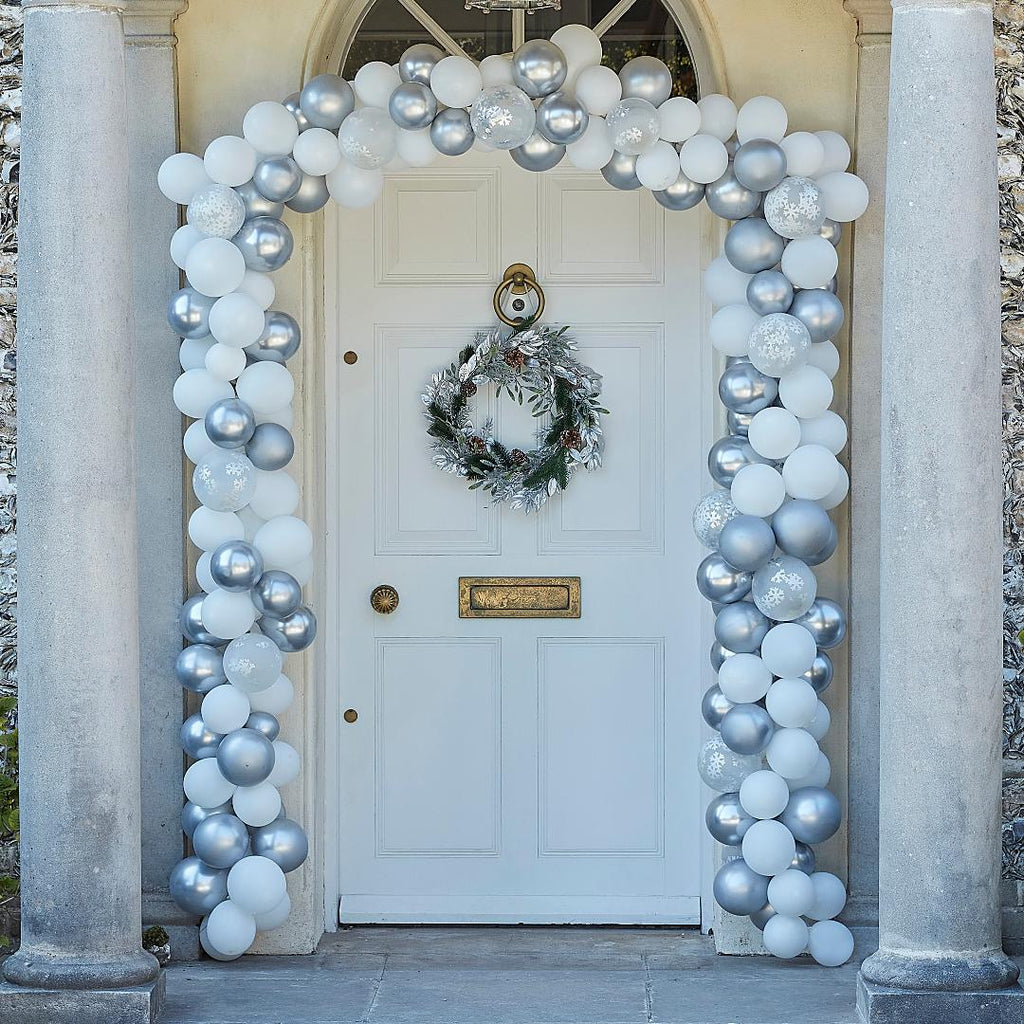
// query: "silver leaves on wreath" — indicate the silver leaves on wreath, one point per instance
point(795, 208)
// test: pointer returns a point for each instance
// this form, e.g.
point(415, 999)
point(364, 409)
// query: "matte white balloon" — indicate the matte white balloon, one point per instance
point(286, 764)
point(717, 116)
point(731, 325)
point(208, 529)
point(316, 151)
point(230, 160)
point(181, 243)
point(204, 784)
point(416, 148)
point(762, 117)
point(724, 284)
point(259, 287)
point(758, 490)
point(256, 805)
point(496, 69)
point(266, 386)
point(805, 153)
point(821, 721)
point(744, 678)
point(764, 794)
point(214, 266)
point(284, 541)
point(270, 128)
point(788, 649)
point(785, 937)
point(375, 82)
point(845, 196)
point(658, 167)
point(276, 699)
point(806, 392)
point(838, 493)
point(791, 703)
point(455, 81)
point(680, 119)
point(230, 929)
point(790, 893)
point(181, 176)
point(829, 896)
point(582, 49)
point(774, 432)
point(810, 262)
point(196, 390)
point(594, 149)
point(825, 356)
point(224, 362)
point(703, 158)
point(830, 943)
point(598, 88)
point(829, 430)
point(792, 752)
point(768, 847)
point(276, 494)
point(236, 320)
point(818, 775)
point(354, 187)
point(256, 884)
point(227, 615)
point(837, 152)
point(275, 917)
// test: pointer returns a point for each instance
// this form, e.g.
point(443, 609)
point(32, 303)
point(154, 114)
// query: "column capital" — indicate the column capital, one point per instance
point(150, 22)
point(874, 17)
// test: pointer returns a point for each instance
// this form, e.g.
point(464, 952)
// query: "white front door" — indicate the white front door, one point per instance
point(507, 770)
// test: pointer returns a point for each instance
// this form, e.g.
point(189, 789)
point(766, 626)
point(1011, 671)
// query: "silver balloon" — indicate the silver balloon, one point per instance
point(832, 231)
point(326, 101)
point(537, 154)
point(714, 705)
point(418, 61)
point(312, 194)
point(192, 814)
point(820, 674)
point(291, 633)
point(720, 582)
point(813, 814)
point(802, 528)
point(292, 105)
point(751, 246)
point(264, 723)
point(804, 859)
point(785, 588)
point(723, 769)
point(412, 106)
point(220, 840)
point(277, 178)
point(712, 512)
point(191, 622)
point(738, 422)
point(270, 447)
point(719, 655)
point(760, 164)
point(730, 200)
point(257, 205)
point(283, 841)
point(825, 553)
point(452, 132)
point(236, 566)
point(245, 757)
point(746, 543)
point(769, 291)
point(196, 887)
point(738, 889)
point(199, 668)
point(277, 593)
point(646, 77)
point(728, 456)
point(620, 172)
point(833, 285)
point(726, 820)
point(827, 622)
point(539, 68)
point(188, 313)
point(266, 243)
point(229, 423)
point(682, 194)
point(561, 118)
point(741, 627)
point(761, 917)
point(197, 739)
point(747, 729)
point(820, 312)
point(280, 339)
point(743, 388)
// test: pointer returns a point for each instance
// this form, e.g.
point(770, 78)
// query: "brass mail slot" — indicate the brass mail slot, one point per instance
point(519, 597)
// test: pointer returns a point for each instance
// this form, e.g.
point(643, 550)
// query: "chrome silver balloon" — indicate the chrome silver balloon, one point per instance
point(199, 668)
point(761, 917)
point(192, 814)
point(188, 313)
point(813, 814)
point(785, 588)
point(266, 243)
point(620, 172)
point(257, 205)
point(291, 104)
point(229, 423)
point(220, 840)
point(714, 705)
point(726, 820)
point(196, 887)
point(245, 757)
point(819, 311)
point(283, 841)
point(452, 132)
point(561, 118)
point(277, 593)
point(832, 230)
point(326, 101)
point(236, 566)
point(537, 154)
point(191, 622)
point(291, 633)
point(802, 528)
point(746, 543)
point(719, 654)
point(826, 621)
point(741, 627)
point(759, 164)
point(828, 550)
point(264, 723)
point(747, 729)
point(197, 739)
point(728, 456)
point(312, 195)
point(738, 422)
point(728, 199)
point(418, 61)
point(280, 339)
point(744, 389)
point(738, 889)
point(820, 674)
point(683, 194)
point(539, 68)
point(277, 178)
point(646, 77)
point(412, 106)
point(769, 291)
point(718, 581)
point(270, 447)
point(752, 246)
point(804, 859)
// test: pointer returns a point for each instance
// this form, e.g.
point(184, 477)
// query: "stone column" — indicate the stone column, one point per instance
point(940, 955)
point(78, 653)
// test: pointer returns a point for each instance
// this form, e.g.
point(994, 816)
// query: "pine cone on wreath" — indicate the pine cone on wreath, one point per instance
point(467, 389)
point(515, 358)
point(477, 444)
point(519, 457)
point(572, 439)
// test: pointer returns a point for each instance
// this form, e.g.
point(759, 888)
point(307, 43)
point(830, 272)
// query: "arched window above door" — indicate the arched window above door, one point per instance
point(627, 30)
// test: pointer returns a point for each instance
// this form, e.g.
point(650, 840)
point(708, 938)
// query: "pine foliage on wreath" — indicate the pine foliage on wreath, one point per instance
point(533, 364)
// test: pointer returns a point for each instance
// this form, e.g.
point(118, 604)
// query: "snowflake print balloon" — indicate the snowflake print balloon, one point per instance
point(795, 208)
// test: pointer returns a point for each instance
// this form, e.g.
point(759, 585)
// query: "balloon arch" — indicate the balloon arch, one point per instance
point(777, 474)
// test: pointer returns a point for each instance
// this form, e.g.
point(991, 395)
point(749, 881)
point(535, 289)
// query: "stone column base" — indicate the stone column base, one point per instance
point(879, 1005)
point(140, 1005)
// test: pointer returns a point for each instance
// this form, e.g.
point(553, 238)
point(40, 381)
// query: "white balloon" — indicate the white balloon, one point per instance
point(810, 262)
point(257, 884)
point(825, 356)
point(773, 432)
point(768, 847)
point(758, 493)
point(276, 494)
point(236, 320)
point(181, 243)
point(821, 721)
point(285, 416)
point(725, 284)
point(283, 541)
point(830, 943)
point(785, 937)
point(230, 160)
point(227, 615)
point(214, 266)
point(818, 775)
point(230, 929)
point(788, 649)
point(256, 805)
point(258, 287)
point(286, 764)
point(744, 678)
point(680, 118)
point(761, 118)
point(455, 81)
point(266, 386)
point(790, 893)
point(270, 128)
point(837, 152)
point(416, 147)
point(224, 362)
point(203, 578)
point(703, 158)
point(594, 149)
point(806, 392)
point(791, 703)
point(658, 167)
point(764, 794)
point(276, 699)
point(731, 325)
point(251, 522)
point(275, 917)
point(302, 570)
point(354, 187)
point(496, 69)
point(838, 493)
point(375, 82)
point(192, 353)
point(196, 390)
point(717, 116)
point(828, 429)
point(810, 472)
point(829, 896)
point(582, 49)
point(845, 195)
point(791, 752)
point(316, 151)
point(805, 154)
point(181, 176)
point(598, 88)
point(204, 784)
point(225, 708)
point(208, 529)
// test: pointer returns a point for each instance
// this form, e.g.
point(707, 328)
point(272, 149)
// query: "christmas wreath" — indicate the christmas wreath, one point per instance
point(532, 363)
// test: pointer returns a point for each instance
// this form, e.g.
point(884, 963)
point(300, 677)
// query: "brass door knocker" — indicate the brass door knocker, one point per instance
point(519, 279)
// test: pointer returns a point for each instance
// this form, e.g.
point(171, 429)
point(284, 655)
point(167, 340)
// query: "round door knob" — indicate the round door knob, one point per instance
point(351, 715)
point(384, 599)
